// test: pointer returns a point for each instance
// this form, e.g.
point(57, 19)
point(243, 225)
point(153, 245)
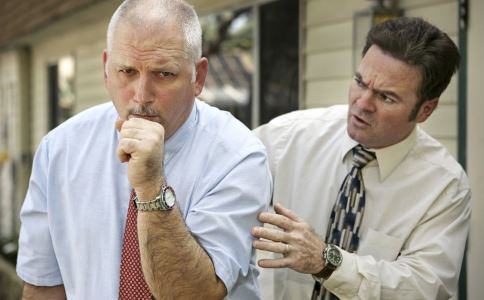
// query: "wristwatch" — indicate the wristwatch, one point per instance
point(332, 260)
point(164, 201)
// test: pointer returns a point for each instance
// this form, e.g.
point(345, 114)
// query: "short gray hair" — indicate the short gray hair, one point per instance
point(172, 10)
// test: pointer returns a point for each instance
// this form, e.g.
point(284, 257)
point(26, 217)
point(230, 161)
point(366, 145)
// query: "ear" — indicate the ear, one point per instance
point(202, 70)
point(105, 65)
point(427, 109)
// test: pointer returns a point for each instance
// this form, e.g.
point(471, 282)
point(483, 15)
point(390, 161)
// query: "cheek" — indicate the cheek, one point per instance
point(125, 93)
point(173, 94)
point(390, 121)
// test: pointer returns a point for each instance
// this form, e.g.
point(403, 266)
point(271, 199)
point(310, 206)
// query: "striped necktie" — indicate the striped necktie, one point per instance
point(347, 214)
point(132, 284)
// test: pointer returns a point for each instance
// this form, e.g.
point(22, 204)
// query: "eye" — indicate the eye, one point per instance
point(128, 71)
point(165, 74)
point(387, 99)
point(358, 81)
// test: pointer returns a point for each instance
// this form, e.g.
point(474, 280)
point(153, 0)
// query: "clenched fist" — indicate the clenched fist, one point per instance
point(141, 145)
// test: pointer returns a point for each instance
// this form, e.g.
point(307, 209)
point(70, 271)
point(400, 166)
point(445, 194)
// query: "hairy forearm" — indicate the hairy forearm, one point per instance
point(175, 266)
point(32, 292)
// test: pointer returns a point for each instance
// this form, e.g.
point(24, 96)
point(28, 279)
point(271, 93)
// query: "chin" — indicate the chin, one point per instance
point(353, 133)
point(359, 137)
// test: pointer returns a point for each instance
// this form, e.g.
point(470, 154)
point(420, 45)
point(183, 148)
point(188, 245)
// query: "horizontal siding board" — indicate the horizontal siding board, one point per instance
point(326, 93)
point(328, 65)
point(333, 36)
point(443, 15)
point(321, 12)
point(413, 4)
point(443, 122)
point(449, 96)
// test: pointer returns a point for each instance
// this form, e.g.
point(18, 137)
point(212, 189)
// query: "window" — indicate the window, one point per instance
point(253, 60)
point(61, 90)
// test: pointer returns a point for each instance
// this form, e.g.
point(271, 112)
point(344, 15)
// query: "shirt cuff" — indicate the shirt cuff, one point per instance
point(345, 280)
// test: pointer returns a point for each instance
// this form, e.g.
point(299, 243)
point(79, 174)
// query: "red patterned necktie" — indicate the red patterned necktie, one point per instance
point(132, 284)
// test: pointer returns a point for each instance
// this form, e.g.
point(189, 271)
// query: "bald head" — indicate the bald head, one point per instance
point(156, 14)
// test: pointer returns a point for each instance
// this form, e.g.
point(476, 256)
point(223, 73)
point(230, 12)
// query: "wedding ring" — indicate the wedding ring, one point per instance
point(287, 248)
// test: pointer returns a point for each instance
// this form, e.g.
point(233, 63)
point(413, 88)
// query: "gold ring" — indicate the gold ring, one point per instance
point(287, 248)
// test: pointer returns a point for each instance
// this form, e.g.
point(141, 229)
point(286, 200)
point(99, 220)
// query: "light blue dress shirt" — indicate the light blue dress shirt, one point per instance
point(74, 213)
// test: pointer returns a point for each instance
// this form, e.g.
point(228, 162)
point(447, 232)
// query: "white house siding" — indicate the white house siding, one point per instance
point(85, 44)
point(8, 87)
point(89, 84)
point(475, 159)
point(327, 56)
point(327, 51)
point(12, 138)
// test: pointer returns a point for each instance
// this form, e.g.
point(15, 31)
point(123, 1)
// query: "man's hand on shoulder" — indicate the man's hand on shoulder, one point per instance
point(295, 239)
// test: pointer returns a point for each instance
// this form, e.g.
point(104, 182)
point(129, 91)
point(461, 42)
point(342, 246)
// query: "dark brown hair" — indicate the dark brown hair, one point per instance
point(421, 44)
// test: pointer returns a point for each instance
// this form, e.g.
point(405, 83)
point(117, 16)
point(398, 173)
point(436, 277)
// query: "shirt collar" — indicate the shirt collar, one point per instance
point(387, 158)
point(178, 139)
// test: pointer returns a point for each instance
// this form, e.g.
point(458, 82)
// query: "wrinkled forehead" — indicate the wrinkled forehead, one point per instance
point(149, 35)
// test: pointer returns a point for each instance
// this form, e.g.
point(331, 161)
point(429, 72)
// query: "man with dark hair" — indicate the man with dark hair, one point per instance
point(368, 203)
point(152, 195)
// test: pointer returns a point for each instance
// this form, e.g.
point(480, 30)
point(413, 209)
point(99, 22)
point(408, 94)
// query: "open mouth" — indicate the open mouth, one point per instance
point(359, 121)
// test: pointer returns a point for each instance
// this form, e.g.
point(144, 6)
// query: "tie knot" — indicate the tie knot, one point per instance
point(362, 156)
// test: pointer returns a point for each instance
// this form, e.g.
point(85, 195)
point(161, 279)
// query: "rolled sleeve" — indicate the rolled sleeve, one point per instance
point(222, 220)
point(36, 262)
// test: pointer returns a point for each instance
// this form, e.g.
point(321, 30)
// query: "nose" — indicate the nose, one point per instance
point(366, 101)
point(144, 92)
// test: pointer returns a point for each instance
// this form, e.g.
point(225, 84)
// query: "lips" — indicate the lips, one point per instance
point(146, 117)
point(359, 122)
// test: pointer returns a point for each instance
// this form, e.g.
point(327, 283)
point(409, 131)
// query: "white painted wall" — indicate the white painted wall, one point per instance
point(8, 144)
point(475, 158)
point(82, 36)
point(12, 146)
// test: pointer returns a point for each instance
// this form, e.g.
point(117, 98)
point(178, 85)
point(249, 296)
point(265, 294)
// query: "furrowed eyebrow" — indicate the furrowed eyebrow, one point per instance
point(124, 66)
point(358, 76)
point(378, 91)
point(388, 93)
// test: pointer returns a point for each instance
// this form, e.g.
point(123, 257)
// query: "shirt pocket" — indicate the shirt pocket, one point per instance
point(380, 245)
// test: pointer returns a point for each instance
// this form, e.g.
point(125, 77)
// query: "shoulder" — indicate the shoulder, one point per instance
point(310, 116)
point(309, 124)
point(224, 130)
point(434, 155)
point(88, 117)
point(84, 125)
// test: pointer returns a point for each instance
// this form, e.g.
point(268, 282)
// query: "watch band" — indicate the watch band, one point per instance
point(160, 202)
point(325, 272)
point(329, 266)
point(155, 204)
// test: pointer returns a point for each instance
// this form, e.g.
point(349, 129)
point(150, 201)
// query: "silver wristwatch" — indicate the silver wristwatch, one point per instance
point(164, 201)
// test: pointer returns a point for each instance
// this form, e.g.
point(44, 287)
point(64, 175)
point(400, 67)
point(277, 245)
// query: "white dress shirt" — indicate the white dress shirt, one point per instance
point(75, 210)
point(416, 216)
